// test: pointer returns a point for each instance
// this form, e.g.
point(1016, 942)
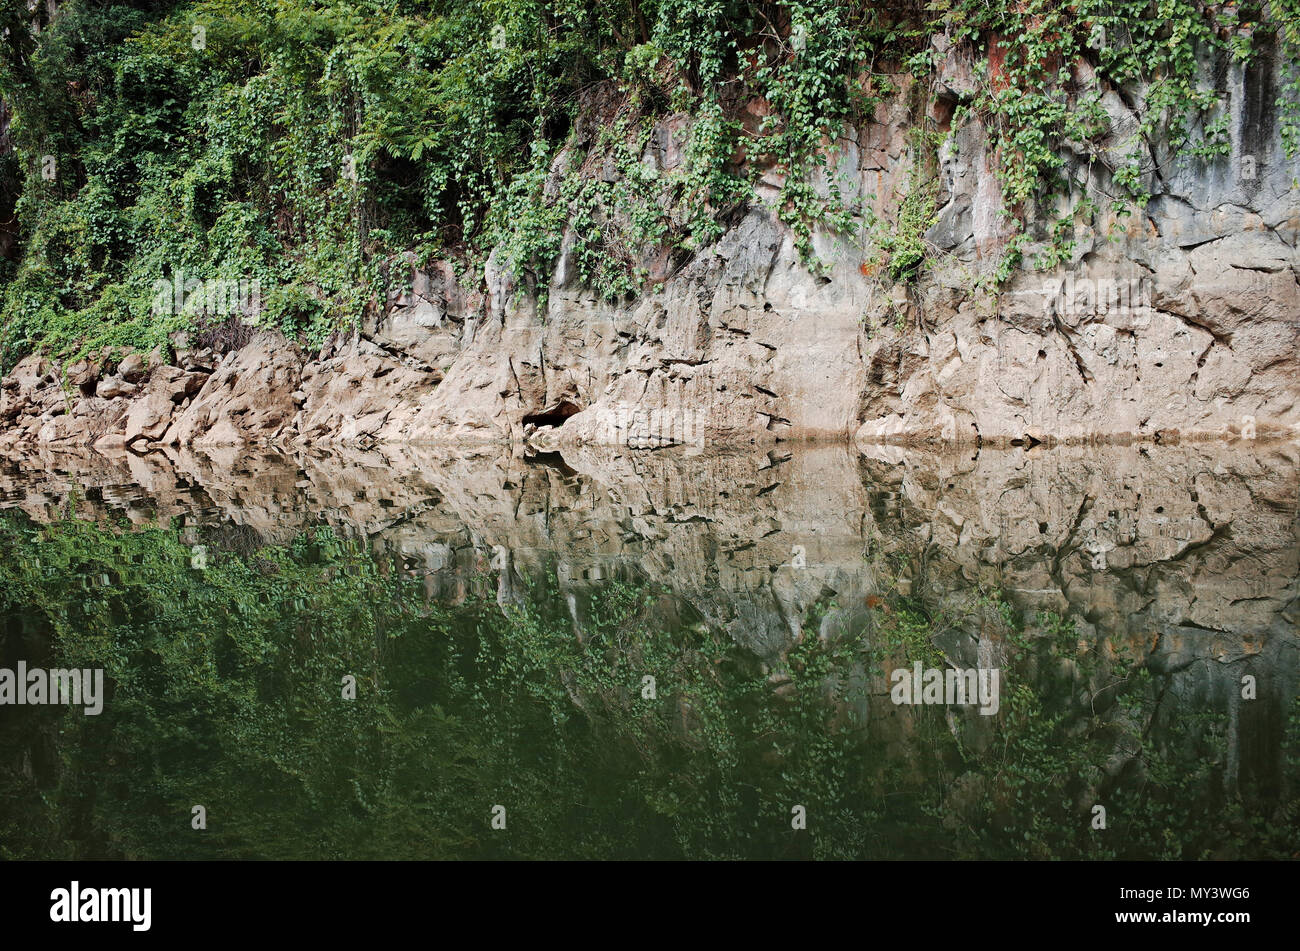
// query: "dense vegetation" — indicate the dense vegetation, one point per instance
point(226, 673)
point(305, 144)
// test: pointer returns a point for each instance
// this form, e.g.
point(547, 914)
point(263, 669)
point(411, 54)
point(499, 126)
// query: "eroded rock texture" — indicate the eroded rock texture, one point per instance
point(1181, 321)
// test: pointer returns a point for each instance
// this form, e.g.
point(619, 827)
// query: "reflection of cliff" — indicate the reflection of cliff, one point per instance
point(1186, 556)
point(1170, 541)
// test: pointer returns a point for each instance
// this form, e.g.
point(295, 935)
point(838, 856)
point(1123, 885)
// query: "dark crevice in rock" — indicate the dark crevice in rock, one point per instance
point(555, 416)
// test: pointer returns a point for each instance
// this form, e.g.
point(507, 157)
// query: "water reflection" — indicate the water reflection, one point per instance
point(502, 615)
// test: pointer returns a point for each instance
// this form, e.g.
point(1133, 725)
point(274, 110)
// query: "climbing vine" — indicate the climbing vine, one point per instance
point(310, 144)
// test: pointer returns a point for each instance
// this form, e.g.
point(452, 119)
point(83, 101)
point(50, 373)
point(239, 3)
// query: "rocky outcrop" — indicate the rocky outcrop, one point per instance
point(1180, 322)
point(100, 401)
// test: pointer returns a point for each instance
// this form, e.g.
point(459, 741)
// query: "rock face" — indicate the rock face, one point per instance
point(1181, 322)
point(247, 398)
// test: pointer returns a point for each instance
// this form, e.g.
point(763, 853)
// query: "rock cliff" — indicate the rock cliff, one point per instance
point(1181, 321)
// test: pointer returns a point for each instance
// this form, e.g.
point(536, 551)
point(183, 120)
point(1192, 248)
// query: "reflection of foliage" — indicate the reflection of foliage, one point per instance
point(226, 692)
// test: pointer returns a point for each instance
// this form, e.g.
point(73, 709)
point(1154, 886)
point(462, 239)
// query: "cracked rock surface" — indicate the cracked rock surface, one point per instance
point(1181, 321)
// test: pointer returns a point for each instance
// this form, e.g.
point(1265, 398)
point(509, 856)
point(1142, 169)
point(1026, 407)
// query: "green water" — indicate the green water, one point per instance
point(500, 618)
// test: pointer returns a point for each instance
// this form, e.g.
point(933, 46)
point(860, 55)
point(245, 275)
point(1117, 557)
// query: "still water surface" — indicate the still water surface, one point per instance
point(654, 655)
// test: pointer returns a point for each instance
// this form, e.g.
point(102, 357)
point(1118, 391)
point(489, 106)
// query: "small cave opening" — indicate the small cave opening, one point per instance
point(555, 416)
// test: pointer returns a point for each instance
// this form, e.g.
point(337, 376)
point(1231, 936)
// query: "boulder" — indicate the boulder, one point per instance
point(149, 416)
point(132, 368)
point(114, 386)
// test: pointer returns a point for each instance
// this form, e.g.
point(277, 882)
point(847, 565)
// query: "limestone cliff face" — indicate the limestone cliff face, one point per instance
point(1180, 321)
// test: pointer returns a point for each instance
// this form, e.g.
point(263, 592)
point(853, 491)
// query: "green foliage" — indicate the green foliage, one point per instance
point(307, 144)
point(1286, 14)
point(1031, 97)
point(900, 244)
